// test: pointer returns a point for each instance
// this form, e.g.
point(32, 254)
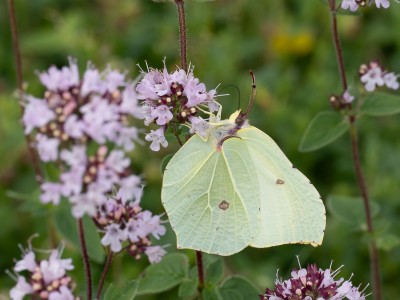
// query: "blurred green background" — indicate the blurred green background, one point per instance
point(286, 43)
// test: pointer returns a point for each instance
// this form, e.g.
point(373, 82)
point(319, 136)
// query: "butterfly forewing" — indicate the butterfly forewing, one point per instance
point(209, 209)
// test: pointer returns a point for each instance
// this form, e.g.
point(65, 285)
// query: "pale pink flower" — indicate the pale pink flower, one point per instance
point(36, 114)
point(113, 237)
point(383, 3)
point(131, 188)
point(60, 79)
point(47, 148)
point(391, 81)
point(349, 4)
point(22, 289)
point(195, 92)
point(51, 192)
point(156, 138)
point(155, 253)
point(150, 225)
point(63, 293)
point(74, 127)
point(373, 78)
point(162, 114)
point(27, 262)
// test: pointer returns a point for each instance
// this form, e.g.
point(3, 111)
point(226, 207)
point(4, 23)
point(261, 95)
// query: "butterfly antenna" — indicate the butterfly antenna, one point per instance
point(243, 115)
point(252, 94)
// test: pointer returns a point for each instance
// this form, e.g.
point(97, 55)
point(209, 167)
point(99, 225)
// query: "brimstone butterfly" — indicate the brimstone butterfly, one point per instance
point(235, 188)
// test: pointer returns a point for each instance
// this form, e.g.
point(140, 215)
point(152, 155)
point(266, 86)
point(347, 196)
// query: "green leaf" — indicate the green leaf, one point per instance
point(125, 292)
point(215, 271)
point(170, 272)
point(211, 293)
point(387, 241)
point(165, 162)
point(325, 128)
point(380, 104)
point(67, 226)
point(350, 209)
point(188, 288)
point(238, 288)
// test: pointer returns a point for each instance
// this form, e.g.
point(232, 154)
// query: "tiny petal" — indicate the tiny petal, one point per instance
point(155, 253)
point(28, 262)
point(157, 138)
point(36, 114)
point(21, 289)
point(47, 148)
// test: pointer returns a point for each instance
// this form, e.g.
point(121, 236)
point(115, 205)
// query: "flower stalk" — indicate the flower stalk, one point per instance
point(104, 274)
point(85, 257)
point(18, 67)
point(373, 251)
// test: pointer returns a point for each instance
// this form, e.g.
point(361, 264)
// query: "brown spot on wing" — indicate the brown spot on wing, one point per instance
point(280, 181)
point(224, 205)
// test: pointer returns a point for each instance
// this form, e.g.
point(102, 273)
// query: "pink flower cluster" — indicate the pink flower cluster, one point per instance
point(354, 4)
point(87, 181)
point(313, 284)
point(123, 221)
point(45, 279)
point(175, 98)
point(373, 75)
point(83, 126)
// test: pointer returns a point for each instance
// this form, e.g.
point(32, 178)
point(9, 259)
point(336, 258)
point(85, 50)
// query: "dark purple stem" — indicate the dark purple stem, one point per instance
point(200, 268)
point(85, 259)
point(373, 251)
point(104, 274)
point(182, 32)
point(336, 43)
point(18, 68)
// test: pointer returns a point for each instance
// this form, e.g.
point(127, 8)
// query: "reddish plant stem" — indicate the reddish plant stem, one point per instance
point(336, 43)
point(200, 268)
point(180, 4)
point(373, 251)
point(20, 88)
point(85, 257)
point(104, 274)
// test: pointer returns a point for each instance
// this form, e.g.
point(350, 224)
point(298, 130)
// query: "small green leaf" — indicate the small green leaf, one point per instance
point(165, 162)
point(125, 292)
point(170, 272)
point(350, 209)
point(387, 241)
point(215, 271)
point(380, 104)
point(188, 288)
point(211, 293)
point(67, 226)
point(238, 288)
point(325, 128)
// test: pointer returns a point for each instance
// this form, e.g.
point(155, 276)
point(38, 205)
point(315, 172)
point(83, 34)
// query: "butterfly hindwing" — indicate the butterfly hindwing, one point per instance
point(291, 208)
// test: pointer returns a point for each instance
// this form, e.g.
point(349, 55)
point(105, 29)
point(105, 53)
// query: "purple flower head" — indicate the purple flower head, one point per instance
point(178, 97)
point(76, 116)
point(43, 279)
point(126, 226)
point(313, 283)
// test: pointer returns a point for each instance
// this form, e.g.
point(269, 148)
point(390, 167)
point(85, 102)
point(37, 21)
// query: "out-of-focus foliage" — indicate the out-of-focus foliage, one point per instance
point(288, 46)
